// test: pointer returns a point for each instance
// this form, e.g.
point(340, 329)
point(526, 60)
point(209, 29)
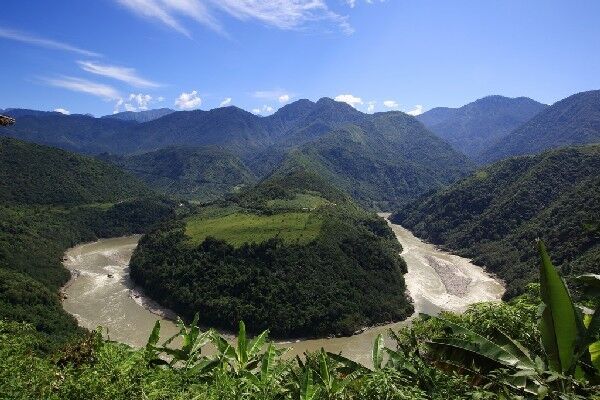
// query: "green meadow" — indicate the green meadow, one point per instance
point(241, 227)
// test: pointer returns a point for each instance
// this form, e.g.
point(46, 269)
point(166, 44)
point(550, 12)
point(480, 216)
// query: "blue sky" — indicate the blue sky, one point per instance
point(98, 56)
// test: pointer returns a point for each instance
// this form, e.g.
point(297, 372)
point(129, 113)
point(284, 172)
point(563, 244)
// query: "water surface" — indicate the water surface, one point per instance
point(102, 294)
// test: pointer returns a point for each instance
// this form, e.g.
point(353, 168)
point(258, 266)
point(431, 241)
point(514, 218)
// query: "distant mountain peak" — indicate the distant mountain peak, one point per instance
point(141, 116)
point(476, 126)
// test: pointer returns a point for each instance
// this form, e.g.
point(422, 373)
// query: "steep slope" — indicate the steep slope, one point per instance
point(52, 199)
point(293, 255)
point(78, 133)
point(141, 116)
point(34, 174)
point(495, 215)
point(194, 173)
point(383, 161)
point(473, 128)
point(386, 158)
point(571, 121)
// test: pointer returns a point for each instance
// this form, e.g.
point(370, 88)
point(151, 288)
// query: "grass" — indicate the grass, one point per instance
point(239, 227)
point(302, 201)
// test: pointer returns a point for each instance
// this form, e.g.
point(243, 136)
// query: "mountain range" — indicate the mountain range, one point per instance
point(141, 116)
point(394, 155)
point(473, 128)
point(495, 215)
point(574, 120)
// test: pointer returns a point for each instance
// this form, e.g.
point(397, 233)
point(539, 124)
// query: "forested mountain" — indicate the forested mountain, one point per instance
point(34, 174)
point(495, 215)
point(571, 121)
point(384, 158)
point(141, 116)
point(273, 256)
point(475, 127)
point(51, 200)
point(381, 162)
point(198, 173)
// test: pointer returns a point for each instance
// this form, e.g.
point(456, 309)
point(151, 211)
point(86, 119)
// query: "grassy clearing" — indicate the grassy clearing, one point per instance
point(239, 228)
point(302, 201)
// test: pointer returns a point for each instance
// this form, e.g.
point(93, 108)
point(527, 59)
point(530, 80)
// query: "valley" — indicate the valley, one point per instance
point(114, 302)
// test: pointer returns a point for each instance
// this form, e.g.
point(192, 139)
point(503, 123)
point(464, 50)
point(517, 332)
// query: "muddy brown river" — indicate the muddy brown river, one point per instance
point(101, 293)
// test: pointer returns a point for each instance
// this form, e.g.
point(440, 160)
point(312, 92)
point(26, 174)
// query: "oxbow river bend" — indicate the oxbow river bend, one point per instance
point(101, 293)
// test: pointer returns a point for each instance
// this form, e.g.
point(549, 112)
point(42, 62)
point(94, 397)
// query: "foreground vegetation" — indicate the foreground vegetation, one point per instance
point(494, 215)
point(52, 200)
point(492, 351)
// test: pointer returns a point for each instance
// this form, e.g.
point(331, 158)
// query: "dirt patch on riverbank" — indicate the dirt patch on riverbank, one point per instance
point(452, 277)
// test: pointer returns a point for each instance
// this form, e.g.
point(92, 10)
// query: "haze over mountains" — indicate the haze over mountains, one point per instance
point(381, 159)
point(472, 128)
point(384, 157)
point(574, 120)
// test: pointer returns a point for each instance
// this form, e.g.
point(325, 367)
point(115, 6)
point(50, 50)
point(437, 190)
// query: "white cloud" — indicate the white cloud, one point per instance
point(391, 104)
point(62, 111)
point(84, 86)
point(160, 99)
point(371, 106)
point(350, 99)
point(284, 98)
point(135, 102)
point(124, 74)
point(188, 101)
point(282, 14)
point(43, 42)
point(264, 110)
point(418, 110)
point(225, 102)
point(142, 100)
point(352, 3)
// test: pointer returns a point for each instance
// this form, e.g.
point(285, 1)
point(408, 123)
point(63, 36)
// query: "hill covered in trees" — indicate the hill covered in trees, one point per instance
point(34, 174)
point(495, 215)
point(568, 122)
point(475, 127)
point(194, 173)
point(52, 200)
point(293, 255)
point(387, 157)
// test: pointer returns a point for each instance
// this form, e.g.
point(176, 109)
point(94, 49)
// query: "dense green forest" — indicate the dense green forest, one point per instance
point(495, 215)
point(52, 200)
point(193, 173)
point(475, 127)
point(572, 121)
point(492, 351)
point(282, 256)
point(382, 159)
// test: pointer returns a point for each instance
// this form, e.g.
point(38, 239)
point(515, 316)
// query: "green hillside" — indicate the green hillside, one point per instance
point(495, 215)
point(52, 200)
point(473, 128)
point(34, 174)
point(572, 121)
point(381, 159)
point(383, 163)
point(193, 173)
point(273, 256)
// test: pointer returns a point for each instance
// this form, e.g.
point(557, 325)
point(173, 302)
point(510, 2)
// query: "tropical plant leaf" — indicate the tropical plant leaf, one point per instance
point(154, 336)
point(558, 324)
point(377, 355)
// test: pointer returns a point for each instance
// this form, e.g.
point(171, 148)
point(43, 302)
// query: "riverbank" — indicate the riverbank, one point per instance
point(436, 281)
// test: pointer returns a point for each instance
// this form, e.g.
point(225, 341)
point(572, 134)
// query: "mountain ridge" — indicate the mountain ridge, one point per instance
point(474, 127)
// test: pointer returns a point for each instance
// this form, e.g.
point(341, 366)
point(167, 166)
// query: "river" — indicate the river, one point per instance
point(101, 293)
